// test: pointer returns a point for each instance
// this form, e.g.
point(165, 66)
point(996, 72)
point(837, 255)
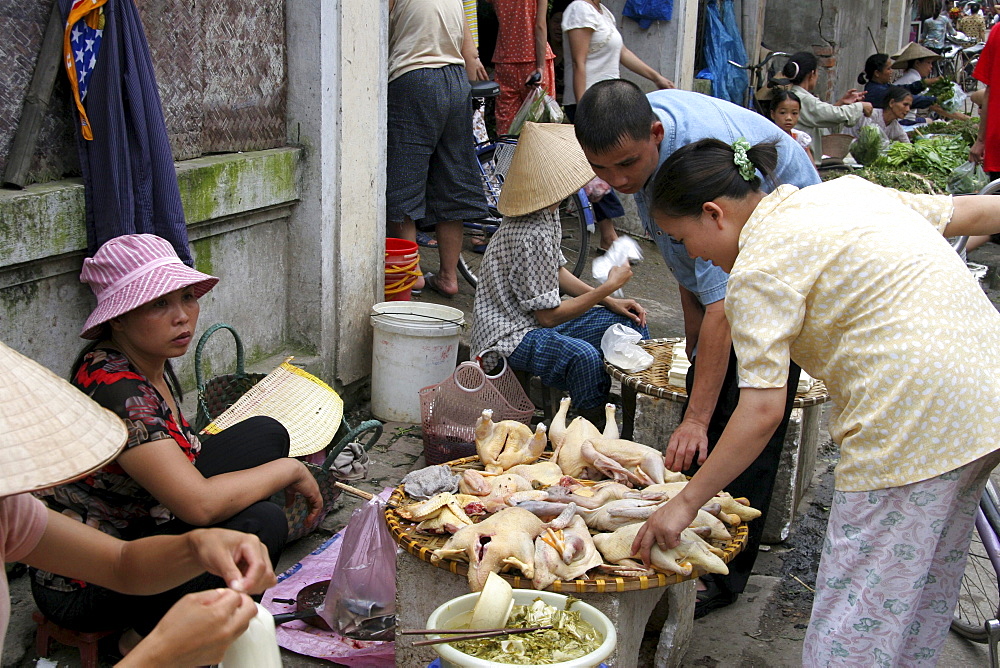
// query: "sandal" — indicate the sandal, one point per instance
point(712, 598)
point(426, 240)
point(478, 244)
point(430, 281)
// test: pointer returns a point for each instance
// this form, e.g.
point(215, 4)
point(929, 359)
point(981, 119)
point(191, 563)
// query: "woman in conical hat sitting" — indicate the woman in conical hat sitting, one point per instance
point(53, 433)
point(519, 311)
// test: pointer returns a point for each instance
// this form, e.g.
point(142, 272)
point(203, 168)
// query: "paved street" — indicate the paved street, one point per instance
point(765, 628)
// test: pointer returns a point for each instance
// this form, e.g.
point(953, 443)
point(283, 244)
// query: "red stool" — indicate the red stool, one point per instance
point(86, 643)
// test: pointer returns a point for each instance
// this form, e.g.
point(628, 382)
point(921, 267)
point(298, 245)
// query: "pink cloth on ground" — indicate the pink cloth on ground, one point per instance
point(301, 638)
point(23, 519)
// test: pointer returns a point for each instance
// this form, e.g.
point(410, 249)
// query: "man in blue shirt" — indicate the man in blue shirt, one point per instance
point(626, 136)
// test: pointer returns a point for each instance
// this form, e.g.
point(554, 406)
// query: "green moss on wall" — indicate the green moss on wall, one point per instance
point(202, 249)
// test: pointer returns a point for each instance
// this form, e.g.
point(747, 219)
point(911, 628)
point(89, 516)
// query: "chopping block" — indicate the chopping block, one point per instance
point(421, 587)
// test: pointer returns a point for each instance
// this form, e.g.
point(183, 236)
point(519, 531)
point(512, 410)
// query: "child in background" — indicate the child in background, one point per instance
point(785, 107)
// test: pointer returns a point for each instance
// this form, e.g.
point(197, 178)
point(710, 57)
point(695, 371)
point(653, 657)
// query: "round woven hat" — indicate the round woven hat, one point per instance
point(912, 51)
point(548, 166)
point(50, 432)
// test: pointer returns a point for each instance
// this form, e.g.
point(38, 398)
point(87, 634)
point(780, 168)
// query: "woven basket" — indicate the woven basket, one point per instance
point(220, 392)
point(449, 410)
point(326, 478)
point(655, 381)
point(422, 545)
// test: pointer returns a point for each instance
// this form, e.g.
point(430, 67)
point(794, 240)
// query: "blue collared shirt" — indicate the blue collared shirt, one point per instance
point(688, 117)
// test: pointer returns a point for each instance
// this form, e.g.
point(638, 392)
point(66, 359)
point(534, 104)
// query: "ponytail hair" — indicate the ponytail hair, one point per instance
point(874, 63)
point(706, 170)
point(796, 69)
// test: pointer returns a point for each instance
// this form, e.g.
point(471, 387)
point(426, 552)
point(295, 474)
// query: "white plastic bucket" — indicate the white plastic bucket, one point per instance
point(458, 611)
point(415, 345)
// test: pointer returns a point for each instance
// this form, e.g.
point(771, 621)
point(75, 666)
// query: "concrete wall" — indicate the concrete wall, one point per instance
point(666, 46)
point(295, 233)
point(237, 208)
point(843, 25)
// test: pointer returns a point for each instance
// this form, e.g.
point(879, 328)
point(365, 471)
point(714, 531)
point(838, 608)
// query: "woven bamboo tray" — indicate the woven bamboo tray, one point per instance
point(654, 380)
point(421, 545)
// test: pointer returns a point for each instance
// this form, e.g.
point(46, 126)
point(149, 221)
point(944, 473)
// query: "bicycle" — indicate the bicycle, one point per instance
point(494, 159)
point(757, 77)
point(958, 62)
point(977, 614)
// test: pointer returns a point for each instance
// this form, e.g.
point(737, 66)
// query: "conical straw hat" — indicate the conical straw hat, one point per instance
point(50, 432)
point(912, 51)
point(548, 166)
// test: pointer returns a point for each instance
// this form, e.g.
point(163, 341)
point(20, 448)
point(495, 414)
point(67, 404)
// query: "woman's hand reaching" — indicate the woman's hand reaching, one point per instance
point(663, 528)
point(307, 486)
point(240, 559)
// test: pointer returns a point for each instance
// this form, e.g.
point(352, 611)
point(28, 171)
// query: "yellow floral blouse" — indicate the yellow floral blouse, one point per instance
point(857, 284)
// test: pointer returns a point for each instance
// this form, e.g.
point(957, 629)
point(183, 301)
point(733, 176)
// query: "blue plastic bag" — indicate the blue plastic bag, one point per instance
point(644, 12)
point(722, 44)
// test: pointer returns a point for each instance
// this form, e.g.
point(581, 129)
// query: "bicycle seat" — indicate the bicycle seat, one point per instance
point(484, 89)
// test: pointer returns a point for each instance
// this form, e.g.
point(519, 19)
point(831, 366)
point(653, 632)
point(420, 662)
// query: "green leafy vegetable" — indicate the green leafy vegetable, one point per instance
point(570, 638)
point(942, 89)
point(934, 157)
point(967, 129)
point(868, 146)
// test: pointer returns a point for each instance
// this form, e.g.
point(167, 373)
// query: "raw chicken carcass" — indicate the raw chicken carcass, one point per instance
point(541, 474)
point(690, 552)
point(502, 540)
point(564, 554)
point(503, 445)
point(494, 489)
point(567, 440)
point(589, 497)
point(624, 461)
point(442, 513)
point(610, 516)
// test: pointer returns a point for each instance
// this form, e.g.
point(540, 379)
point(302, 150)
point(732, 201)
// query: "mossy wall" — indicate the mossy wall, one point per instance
point(237, 208)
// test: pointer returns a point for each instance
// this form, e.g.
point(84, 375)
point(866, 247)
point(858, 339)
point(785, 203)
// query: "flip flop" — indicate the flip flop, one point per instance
point(478, 244)
point(430, 281)
point(426, 240)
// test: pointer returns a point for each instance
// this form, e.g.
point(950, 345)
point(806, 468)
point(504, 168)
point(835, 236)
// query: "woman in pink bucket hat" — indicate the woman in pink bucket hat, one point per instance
point(165, 481)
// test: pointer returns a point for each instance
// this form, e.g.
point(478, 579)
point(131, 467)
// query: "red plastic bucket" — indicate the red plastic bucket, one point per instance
point(402, 268)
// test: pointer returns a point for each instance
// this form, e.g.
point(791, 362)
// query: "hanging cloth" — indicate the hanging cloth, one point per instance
point(722, 44)
point(644, 12)
point(125, 156)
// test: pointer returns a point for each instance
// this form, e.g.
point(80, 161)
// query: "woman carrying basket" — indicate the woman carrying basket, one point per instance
point(165, 481)
point(882, 309)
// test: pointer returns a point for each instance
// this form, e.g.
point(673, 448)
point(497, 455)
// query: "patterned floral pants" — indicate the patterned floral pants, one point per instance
point(889, 576)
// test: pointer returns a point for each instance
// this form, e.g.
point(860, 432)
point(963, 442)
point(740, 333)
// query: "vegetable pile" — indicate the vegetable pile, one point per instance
point(569, 638)
point(867, 148)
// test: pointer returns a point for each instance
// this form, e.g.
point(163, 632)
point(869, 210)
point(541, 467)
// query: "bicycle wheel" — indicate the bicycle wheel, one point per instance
point(577, 218)
point(979, 598)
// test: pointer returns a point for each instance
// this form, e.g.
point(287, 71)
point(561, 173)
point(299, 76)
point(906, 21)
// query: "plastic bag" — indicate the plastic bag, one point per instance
point(619, 345)
point(361, 600)
point(596, 188)
point(957, 100)
point(624, 249)
point(722, 45)
point(644, 12)
point(967, 179)
point(538, 107)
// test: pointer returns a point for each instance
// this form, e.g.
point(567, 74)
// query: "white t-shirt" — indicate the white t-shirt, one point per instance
point(604, 54)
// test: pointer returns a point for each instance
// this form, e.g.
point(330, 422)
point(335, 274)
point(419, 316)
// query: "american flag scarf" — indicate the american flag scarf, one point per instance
point(81, 43)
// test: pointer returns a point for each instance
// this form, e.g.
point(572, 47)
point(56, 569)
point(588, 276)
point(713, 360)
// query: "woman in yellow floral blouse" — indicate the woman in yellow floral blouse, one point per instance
point(857, 285)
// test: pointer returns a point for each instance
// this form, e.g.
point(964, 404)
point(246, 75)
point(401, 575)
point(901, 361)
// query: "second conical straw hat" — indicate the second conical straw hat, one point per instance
point(50, 432)
point(548, 166)
point(913, 51)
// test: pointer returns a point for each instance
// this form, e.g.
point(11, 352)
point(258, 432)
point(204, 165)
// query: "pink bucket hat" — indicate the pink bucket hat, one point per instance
point(132, 270)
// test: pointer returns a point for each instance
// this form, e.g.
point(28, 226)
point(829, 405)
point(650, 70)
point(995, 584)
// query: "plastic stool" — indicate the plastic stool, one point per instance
point(86, 643)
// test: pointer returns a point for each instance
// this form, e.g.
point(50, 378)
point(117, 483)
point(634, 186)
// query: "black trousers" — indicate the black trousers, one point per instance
point(243, 446)
point(757, 482)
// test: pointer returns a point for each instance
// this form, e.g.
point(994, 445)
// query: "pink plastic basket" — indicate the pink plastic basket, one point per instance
point(449, 410)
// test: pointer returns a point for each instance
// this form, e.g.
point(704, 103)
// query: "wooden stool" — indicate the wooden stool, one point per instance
point(86, 643)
